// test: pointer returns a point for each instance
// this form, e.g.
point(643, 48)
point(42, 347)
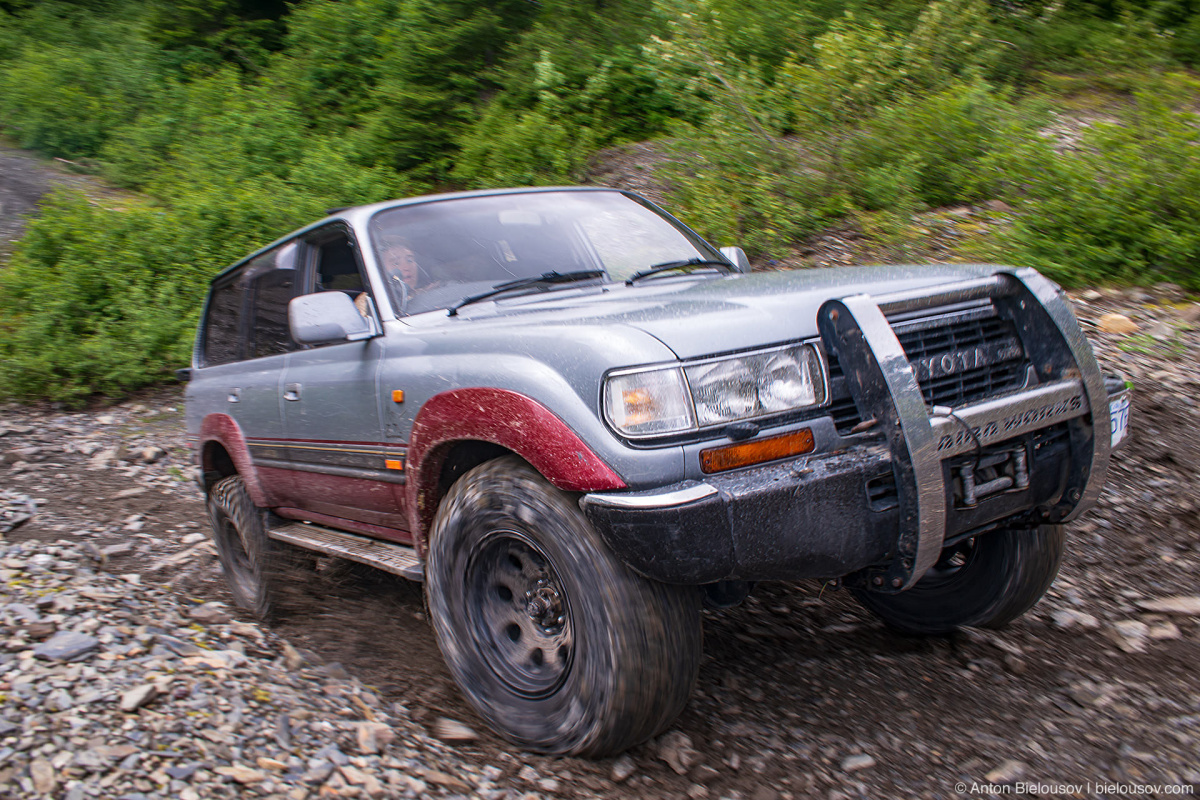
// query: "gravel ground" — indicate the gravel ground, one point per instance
point(124, 673)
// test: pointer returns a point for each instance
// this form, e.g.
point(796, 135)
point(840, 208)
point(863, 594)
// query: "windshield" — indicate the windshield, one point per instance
point(435, 254)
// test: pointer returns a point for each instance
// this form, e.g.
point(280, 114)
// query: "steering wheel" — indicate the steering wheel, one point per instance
point(403, 295)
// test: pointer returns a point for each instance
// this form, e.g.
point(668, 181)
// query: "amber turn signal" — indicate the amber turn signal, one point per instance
point(745, 454)
point(394, 463)
point(397, 395)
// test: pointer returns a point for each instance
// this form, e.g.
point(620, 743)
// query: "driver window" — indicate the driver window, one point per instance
point(336, 268)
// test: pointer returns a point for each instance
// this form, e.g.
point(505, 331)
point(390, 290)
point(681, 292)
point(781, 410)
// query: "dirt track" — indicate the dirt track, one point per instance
point(800, 680)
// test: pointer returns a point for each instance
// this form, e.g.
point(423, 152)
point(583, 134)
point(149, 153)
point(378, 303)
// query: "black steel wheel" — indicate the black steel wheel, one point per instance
point(250, 560)
point(558, 645)
point(983, 582)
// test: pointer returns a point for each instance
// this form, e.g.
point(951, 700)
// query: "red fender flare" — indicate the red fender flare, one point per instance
point(505, 418)
point(224, 430)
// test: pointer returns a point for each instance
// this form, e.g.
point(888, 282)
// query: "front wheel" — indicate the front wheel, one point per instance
point(559, 646)
point(984, 582)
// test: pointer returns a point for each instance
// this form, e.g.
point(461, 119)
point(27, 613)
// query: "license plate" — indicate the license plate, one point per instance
point(1118, 411)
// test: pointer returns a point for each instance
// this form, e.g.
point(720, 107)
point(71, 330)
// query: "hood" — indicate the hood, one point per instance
point(700, 316)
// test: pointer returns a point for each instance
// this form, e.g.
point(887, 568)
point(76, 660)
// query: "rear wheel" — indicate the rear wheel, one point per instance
point(984, 582)
point(251, 561)
point(557, 644)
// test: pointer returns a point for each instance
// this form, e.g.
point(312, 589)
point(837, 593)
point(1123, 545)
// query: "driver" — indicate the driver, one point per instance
point(400, 266)
point(400, 263)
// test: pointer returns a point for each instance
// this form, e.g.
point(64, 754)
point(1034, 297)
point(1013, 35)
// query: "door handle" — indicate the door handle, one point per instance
point(235, 396)
point(291, 391)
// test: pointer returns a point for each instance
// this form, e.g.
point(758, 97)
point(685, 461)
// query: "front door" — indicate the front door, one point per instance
point(342, 469)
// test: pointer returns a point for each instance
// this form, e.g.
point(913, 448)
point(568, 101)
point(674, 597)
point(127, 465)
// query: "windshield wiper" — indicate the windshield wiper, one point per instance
point(667, 266)
point(545, 279)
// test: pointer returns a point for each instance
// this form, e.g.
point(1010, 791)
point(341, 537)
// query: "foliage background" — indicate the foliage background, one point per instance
point(237, 120)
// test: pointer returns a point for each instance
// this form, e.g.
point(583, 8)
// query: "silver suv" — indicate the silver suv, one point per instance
point(576, 421)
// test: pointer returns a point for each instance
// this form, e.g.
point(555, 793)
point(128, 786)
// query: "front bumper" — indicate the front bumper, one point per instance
point(886, 510)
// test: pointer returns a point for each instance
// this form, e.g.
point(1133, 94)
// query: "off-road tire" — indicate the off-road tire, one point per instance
point(986, 583)
point(254, 565)
point(590, 658)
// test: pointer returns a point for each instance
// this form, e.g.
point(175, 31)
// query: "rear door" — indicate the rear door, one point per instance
point(342, 468)
point(245, 346)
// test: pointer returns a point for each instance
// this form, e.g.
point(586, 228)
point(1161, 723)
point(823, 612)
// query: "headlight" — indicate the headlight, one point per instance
point(660, 401)
point(648, 402)
point(754, 385)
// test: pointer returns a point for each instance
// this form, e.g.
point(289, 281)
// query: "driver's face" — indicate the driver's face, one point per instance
point(399, 260)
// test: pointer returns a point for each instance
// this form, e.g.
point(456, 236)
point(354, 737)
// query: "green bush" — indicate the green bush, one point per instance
point(65, 100)
point(935, 145)
point(1122, 207)
point(97, 301)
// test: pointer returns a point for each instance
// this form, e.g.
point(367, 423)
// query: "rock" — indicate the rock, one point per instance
point(1130, 635)
point(208, 614)
point(178, 646)
point(449, 730)
point(331, 753)
point(131, 492)
point(182, 773)
point(1191, 314)
point(1091, 295)
point(353, 775)
point(998, 206)
point(241, 774)
point(152, 454)
point(42, 773)
point(66, 646)
point(1184, 605)
point(1015, 664)
point(1009, 771)
point(675, 748)
point(120, 548)
point(1117, 323)
point(291, 657)
point(1164, 630)
point(1068, 618)
point(528, 774)
point(40, 630)
point(103, 457)
point(373, 736)
point(1087, 694)
point(622, 768)
point(137, 697)
point(697, 792)
point(855, 763)
point(444, 779)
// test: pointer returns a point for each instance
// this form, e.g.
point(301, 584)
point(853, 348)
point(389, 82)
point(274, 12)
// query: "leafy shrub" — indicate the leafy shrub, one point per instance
point(1124, 207)
point(936, 146)
point(65, 100)
point(96, 301)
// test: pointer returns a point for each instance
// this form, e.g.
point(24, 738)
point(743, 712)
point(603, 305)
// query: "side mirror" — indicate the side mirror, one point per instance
point(327, 317)
point(737, 257)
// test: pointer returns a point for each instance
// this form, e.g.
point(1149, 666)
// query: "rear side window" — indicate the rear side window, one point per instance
point(222, 324)
point(272, 277)
point(259, 291)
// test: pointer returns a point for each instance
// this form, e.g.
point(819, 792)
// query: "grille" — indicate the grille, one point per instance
point(963, 339)
point(935, 337)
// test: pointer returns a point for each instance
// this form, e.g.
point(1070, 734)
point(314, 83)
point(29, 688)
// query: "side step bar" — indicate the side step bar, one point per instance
point(398, 559)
